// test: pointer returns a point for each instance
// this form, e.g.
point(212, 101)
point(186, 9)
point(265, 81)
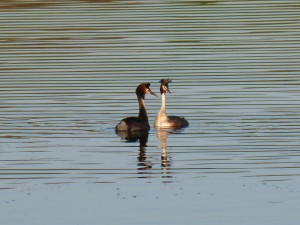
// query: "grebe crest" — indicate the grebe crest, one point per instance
point(164, 87)
point(143, 89)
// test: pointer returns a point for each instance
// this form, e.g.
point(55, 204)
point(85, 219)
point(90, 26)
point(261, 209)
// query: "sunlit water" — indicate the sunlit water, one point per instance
point(68, 71)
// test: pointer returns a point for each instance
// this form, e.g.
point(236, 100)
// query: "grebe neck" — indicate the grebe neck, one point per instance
point(142, 110)
point(163, 103)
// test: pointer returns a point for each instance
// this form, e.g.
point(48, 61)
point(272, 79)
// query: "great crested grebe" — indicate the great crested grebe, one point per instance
point(162, 119)
point(140, 122)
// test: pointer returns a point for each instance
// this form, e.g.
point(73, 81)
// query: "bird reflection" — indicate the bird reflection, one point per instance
point(134, 136)
point(145, 164)
point(161, 135)
point(142, 137)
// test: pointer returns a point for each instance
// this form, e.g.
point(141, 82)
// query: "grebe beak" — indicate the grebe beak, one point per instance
point(151, 92)
point(168, 90)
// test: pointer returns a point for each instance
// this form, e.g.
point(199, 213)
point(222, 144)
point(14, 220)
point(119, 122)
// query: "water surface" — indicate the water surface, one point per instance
point(68, 74)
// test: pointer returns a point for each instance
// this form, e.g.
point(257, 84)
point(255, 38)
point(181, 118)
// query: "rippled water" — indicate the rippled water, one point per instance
point(68, 71)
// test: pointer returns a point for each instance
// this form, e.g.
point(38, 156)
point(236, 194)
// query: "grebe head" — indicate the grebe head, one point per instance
point(144, 89)
point(164, 87)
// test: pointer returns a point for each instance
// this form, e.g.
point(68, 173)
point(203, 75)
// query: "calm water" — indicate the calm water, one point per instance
point(68, 71)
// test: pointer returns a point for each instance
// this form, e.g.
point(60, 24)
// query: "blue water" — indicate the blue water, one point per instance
point(68, 74)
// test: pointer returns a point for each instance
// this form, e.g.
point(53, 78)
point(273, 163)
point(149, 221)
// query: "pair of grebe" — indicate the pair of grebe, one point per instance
point(162, 120)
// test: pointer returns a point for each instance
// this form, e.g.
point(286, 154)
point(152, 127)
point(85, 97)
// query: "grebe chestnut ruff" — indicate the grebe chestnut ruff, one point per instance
point(139, 123)
point(162, 119)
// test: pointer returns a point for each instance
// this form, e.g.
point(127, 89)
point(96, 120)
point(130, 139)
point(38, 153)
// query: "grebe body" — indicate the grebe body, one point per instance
point(140, 122)
point(162, 119)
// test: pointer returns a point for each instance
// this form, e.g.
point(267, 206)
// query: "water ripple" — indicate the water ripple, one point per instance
point(68, 74)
